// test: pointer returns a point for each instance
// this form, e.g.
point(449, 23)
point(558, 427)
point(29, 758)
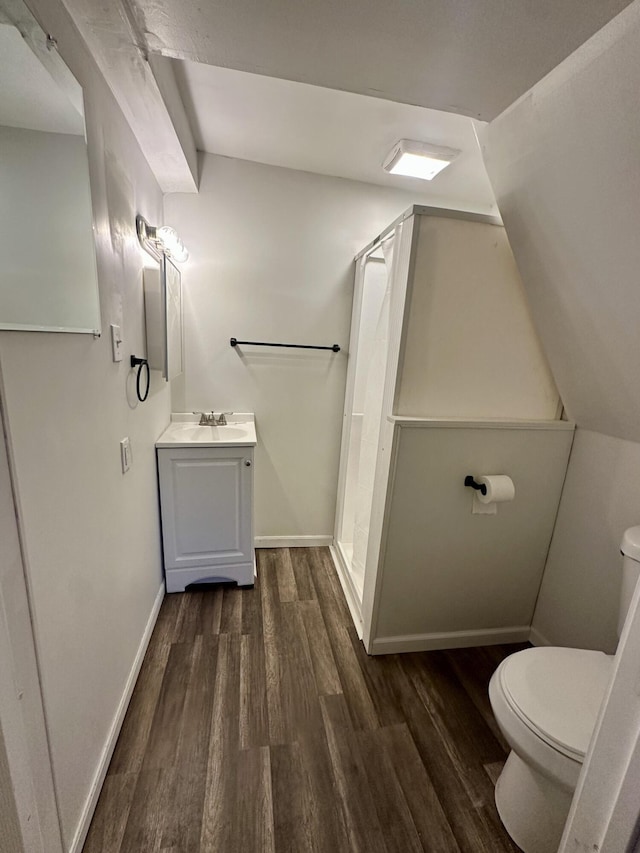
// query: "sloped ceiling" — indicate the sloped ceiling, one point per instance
point(467, 57)
point(565, 166)
point(473, 57)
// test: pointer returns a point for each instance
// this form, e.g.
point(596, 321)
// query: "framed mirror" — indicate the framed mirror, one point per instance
point(48, 276)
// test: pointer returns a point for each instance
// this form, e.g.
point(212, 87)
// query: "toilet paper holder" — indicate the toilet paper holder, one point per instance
point(480, 487)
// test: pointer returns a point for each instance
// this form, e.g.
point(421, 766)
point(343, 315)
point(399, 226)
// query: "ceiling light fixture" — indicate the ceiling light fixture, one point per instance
point(161, 240)
point(418, 159)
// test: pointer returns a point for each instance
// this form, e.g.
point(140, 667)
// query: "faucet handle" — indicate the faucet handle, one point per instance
point(205, 419)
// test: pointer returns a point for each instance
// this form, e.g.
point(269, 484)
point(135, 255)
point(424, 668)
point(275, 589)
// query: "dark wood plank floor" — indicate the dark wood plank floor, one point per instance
point(259, 725)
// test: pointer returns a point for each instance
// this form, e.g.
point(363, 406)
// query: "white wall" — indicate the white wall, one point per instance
point(578, 602)
point(565, 167)
point(92, 534)
point(10, 836)
point(272, 260)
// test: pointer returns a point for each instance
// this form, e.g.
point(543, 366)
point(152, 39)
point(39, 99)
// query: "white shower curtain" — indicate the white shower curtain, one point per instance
point(372, 415)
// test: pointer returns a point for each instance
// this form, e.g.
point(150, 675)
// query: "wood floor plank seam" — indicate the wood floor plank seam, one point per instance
point(260, 725)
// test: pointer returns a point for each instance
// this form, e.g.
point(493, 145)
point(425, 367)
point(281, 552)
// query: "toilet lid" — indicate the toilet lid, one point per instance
point(558, 692)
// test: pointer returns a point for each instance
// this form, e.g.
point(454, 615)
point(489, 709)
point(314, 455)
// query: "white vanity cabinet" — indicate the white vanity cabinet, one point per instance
point(206, 498)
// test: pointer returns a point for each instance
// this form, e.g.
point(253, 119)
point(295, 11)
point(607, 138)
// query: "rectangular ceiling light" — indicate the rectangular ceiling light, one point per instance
point(418, 159)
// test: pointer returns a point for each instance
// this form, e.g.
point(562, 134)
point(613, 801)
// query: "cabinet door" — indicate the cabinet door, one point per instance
point(206, 498)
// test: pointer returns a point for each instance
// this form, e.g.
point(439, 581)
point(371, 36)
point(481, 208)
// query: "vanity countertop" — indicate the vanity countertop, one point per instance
point(185, 431)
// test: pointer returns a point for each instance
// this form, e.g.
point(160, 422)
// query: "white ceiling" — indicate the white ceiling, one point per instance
point(473, 57)
point(298, 126)
point(467, 57)
point(29, 97)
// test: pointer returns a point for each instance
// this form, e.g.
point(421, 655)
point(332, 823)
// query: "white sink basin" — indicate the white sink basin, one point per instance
point(187, 433)
point(230, 432)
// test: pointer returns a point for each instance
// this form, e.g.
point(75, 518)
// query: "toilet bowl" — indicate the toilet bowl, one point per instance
point(546, 701)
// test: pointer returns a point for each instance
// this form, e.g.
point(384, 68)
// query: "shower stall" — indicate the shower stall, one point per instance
point(446, 378)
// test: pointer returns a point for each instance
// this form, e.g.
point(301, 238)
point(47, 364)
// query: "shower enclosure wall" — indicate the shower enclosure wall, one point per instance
point(446, 378)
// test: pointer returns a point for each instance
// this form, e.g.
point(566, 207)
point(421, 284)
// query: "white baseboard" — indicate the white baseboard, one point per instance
point(449, 640)
point(538, 639)
point(103, 765)
point(354, 602)
point(292, 541)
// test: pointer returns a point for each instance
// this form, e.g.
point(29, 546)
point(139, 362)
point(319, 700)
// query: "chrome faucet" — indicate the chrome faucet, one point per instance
point(209, 419)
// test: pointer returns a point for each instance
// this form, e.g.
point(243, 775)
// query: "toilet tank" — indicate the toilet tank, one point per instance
point(630, 548)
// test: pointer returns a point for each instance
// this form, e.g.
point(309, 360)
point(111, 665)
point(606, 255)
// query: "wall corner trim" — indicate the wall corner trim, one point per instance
point(538, 639)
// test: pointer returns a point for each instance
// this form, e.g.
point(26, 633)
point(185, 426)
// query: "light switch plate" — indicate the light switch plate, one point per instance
point(116, 342)
point(125, 454)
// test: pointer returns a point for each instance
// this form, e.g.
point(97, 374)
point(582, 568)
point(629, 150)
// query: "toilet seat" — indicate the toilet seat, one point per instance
point(557, 693)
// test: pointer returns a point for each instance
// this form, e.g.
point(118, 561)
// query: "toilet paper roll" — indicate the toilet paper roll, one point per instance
point(500, 488)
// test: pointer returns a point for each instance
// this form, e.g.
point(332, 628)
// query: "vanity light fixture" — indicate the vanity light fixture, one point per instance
point(418, 159)
point(163, 240)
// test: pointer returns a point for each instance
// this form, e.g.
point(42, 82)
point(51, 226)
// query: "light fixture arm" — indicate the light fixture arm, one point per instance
point(147, 238)
point(160, 241)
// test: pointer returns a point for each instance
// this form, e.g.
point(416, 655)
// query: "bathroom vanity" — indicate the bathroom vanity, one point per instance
point(205, 475)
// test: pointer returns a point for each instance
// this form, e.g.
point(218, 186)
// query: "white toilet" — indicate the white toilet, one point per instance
point(546, 701)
